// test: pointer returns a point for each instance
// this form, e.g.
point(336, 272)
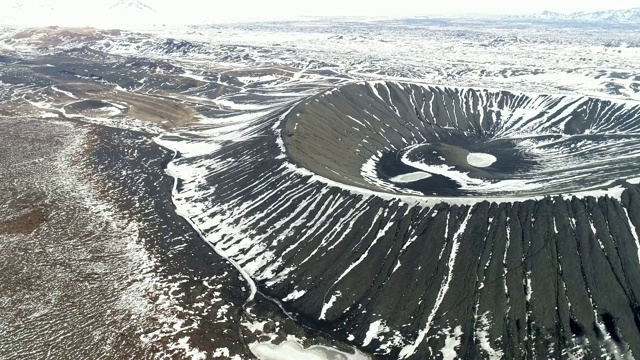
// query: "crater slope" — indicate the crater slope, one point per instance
point(328, 206)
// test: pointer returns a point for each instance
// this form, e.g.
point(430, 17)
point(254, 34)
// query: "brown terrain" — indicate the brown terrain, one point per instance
point(24, 223)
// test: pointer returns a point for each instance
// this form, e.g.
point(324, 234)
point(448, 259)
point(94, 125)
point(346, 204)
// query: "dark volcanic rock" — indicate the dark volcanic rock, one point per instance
point(502, 267)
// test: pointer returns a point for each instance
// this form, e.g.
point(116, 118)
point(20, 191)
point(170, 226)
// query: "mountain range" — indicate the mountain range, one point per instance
point(113, 14)
point(136, 13)
point(617, 16)
point(130, 5)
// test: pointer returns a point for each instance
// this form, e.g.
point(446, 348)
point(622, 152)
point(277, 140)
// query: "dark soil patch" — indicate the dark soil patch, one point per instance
point(25, 223)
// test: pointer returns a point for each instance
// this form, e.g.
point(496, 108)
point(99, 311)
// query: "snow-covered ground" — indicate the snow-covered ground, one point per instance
point(246, 196)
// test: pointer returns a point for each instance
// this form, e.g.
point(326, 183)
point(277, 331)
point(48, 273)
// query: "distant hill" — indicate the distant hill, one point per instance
point(615, 16)
point(115, 14)
point(128, 5)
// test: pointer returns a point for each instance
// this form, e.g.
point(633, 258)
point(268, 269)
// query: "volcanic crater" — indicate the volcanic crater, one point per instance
point(464, 142)
point(420, 219)
point(414, 221)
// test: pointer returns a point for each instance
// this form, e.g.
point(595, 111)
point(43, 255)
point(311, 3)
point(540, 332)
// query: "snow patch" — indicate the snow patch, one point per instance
point(295, 295)
point(375, 329)
point(451, 343)
point(290, 349)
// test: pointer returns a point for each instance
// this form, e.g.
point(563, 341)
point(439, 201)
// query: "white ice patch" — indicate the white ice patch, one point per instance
point(67, 93)
point(634, 181)
point(410, 177)
point(295, 295)
point(290, 350)
point(190, 353)
point(228, 104)
point(328, 305)
point(257, 326)
point(253, 79)
point(451, 343)
point(481, 159)
point(221, 352)
point(376, 328)
point(482, 334)
point(369, 172)
point(48, 115)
